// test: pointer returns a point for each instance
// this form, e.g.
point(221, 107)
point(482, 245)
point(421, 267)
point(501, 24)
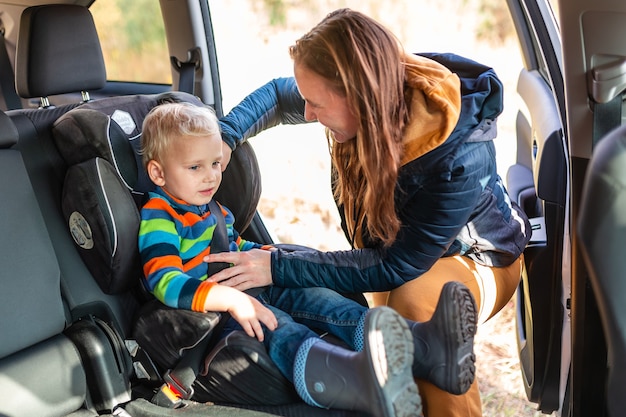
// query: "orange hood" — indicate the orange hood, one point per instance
point(434, 102)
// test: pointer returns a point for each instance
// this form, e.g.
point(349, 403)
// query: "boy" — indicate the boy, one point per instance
point(182, 153)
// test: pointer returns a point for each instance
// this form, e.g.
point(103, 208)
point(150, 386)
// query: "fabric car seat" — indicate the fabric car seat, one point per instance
point(105, 186)
point(43, 74)
point(602, 235)
point(48, 364)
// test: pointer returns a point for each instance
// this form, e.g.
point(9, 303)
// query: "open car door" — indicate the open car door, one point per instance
point(538, 181)
point(571, 90)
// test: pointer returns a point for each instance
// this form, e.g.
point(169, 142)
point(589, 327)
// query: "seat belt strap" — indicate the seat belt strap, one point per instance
point(187, 70)
point(7, 78)
point(178, 382)
point(219, 242)
point(606, 117)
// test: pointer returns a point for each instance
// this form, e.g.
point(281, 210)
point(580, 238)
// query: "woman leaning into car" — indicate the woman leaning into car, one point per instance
point(414, 177)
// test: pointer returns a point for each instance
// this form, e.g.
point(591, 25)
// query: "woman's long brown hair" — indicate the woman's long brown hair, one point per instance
point(362, 60)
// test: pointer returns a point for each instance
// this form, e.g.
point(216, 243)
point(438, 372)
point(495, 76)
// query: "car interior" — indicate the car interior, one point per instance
point(72, 184)
point(570, 184)
point(538, 182)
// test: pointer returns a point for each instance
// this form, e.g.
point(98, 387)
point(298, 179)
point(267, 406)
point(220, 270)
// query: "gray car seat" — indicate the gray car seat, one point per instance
point(43, 370)
point(602, 234)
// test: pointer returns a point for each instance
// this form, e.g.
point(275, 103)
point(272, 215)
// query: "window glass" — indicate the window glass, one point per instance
point(133, 40)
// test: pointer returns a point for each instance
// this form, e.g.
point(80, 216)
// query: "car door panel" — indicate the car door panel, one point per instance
point(537, 182)
point(594, 53)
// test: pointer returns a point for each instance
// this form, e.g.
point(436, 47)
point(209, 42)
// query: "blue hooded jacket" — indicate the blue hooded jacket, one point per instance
point(449, 198)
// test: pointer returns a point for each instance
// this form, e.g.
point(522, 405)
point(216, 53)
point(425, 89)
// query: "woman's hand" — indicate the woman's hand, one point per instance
point(249, 269)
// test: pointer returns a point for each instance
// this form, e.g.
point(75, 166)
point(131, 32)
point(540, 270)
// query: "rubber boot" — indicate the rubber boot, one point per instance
point(377, 380)
point(444, 345)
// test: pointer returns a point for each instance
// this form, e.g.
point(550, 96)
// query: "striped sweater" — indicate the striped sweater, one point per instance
point(173, 239)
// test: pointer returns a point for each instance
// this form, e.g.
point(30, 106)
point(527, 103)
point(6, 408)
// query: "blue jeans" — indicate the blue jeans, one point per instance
point(298, 311)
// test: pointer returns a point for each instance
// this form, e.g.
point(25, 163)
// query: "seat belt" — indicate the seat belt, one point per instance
point(7, 77)
point(187, 70)
point(178, 381)
point(606, 84)
point(606, 117)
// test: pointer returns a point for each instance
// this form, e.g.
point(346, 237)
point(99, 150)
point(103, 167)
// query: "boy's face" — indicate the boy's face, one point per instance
point(191, 168)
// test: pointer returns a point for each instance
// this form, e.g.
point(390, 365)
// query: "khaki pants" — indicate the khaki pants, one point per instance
point(416, 300)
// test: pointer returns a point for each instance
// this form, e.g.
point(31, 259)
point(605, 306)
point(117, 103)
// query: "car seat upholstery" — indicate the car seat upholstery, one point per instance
point(34, 318)
point(42, 74)
point(602, 234)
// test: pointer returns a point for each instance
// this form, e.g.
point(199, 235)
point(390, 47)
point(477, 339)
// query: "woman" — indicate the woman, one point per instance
point(414, 178)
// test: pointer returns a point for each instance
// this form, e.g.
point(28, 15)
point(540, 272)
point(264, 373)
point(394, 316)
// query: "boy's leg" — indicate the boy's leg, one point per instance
point(283, 343)
point(321, 309)
point(492, 288)
point(378, 380)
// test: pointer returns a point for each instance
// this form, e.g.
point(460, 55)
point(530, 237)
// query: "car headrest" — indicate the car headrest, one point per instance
point(110, 128)
point(58, 52)
point(8, 132)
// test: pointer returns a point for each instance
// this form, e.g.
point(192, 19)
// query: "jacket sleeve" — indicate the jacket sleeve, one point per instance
point(432, 216)
point(420, 244)
point(277, 102)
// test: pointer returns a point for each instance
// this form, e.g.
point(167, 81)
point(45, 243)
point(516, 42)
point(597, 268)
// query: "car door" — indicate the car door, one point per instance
point(571, 83)
point(594, 53)
point(538, 181)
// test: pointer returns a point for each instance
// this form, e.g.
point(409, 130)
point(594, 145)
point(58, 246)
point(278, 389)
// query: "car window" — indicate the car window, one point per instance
point(133, 41)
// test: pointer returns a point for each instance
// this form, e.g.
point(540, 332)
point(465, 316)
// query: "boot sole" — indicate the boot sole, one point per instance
point(460, 311)
point(390, 346)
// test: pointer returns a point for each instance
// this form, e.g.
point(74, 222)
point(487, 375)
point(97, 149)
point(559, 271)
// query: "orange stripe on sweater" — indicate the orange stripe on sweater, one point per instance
point(160, 262)
point(197, 260)
point(199, 298)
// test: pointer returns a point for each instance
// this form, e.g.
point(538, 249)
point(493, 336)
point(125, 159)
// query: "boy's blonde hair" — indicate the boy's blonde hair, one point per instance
point(169, 121)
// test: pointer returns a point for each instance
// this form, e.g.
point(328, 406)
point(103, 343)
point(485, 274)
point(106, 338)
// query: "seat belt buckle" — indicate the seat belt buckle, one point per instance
point(180, 389)
point(171, 393)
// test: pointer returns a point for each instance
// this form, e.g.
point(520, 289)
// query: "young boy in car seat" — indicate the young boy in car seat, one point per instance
point(182, 153)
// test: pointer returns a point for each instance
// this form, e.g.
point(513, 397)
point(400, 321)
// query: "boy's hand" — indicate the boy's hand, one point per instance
point(250, 313)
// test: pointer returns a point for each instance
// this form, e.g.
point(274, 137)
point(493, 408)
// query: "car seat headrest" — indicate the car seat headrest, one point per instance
point(58, 52)
point(8, 132)
point(111, 129)
point(105, 183)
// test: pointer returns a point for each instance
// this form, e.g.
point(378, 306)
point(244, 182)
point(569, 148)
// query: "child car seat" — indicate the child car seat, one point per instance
point(104, 187)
